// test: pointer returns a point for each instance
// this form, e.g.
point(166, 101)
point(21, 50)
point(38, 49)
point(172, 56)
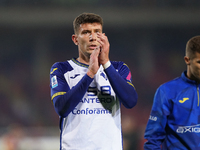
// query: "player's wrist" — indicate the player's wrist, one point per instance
point(90, 74)
point(107, 64)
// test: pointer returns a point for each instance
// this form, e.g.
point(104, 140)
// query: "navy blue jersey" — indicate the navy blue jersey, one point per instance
point(174, 121)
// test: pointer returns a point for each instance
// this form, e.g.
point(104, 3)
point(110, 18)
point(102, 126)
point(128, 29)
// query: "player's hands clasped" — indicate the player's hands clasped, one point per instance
point(105, 47)
point(94, 62)
point(100, 55)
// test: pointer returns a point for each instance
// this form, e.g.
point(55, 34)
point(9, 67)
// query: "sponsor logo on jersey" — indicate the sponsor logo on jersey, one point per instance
point(54, 82)
point(184, 99)
point(89, 111)
point(76, 75)
point(189, 129)
point(153, 118)
point(97, 100)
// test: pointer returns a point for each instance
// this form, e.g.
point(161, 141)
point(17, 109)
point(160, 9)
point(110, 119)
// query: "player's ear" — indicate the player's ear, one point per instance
point(74, 39)
point(187, 60)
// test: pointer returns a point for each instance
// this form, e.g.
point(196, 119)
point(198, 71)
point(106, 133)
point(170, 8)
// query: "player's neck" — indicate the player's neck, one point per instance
point(83, 60)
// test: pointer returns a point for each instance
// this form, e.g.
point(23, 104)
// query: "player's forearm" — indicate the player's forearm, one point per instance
point(152, 144)
point(64, 104)
point(154, 137)
point(123, 90)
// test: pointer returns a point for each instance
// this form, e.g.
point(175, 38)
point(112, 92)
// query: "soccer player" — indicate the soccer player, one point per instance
point(87, 91)
point(174, 122)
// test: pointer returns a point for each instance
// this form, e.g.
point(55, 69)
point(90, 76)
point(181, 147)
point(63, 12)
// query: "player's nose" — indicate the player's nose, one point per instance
point(93, 36)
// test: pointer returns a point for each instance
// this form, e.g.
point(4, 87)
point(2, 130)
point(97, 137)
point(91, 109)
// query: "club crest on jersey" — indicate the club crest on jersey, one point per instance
point(54, 82)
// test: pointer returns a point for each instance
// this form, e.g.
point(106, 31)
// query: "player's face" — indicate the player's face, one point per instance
point(193, 71)
point(86, 38)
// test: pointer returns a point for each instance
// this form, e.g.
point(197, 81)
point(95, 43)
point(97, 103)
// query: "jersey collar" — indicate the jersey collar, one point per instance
point(79, 63)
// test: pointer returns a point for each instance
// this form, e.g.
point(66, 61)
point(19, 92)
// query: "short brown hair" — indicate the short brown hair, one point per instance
point(193, 46)
point(86, 18)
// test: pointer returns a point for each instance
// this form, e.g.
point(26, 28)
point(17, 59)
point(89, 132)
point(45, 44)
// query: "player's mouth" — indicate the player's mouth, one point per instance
point(92, 47)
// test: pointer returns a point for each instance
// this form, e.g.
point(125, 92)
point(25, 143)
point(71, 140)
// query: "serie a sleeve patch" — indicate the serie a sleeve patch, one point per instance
point(54, 82)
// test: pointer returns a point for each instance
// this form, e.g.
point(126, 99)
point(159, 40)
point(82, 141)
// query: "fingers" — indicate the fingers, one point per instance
point(103, 41)
point(94, 63)
point(94, 57)
point(105, 46)
point(102, 38)
point(96, 52)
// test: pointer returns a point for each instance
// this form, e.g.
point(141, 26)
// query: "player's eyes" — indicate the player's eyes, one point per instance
point(98, 31)
point(85, 32)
